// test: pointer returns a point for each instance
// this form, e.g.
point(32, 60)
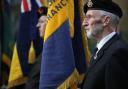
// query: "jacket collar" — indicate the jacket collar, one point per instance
point(102, 50)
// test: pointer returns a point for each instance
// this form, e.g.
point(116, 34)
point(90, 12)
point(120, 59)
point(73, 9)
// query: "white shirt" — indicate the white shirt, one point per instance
point(105, 40)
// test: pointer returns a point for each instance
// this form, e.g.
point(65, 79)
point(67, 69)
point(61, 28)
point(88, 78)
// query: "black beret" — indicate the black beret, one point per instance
point(106, 5)
point(42, 11)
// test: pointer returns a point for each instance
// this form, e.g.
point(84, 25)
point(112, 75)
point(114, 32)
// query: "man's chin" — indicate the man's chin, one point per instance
point(89, 35)
point(41, 35)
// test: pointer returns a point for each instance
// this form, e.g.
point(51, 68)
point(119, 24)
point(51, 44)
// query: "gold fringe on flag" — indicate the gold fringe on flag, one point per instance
point(16, 76)
point(32, 54)
point(70, 82)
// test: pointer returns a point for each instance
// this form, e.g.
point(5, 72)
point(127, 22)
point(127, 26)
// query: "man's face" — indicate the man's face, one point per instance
point(93, 23)
point(42, 25)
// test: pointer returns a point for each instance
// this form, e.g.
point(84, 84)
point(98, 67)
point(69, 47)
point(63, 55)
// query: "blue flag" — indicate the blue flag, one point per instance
point(27, 36)
point(27, 32)
point(63, 57)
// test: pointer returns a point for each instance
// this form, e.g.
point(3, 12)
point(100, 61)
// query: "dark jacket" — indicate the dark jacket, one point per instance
point(34, 75)
point(110, 69)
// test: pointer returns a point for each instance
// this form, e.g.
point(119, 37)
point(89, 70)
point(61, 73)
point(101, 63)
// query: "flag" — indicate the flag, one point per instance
point(28, 43)
point(7, 40)
point(79, 41)
point(44, 2)
point(63, 51)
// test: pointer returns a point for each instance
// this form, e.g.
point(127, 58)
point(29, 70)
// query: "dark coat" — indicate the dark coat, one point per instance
point(110, 69)
point(34, 75)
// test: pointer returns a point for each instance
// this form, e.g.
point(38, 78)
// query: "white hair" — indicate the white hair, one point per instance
point(114, 18)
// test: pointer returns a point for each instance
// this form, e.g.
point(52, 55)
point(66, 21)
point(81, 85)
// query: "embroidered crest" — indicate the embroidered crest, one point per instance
point(89, 4)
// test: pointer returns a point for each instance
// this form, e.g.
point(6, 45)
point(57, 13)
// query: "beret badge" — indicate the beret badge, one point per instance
point(89, 3)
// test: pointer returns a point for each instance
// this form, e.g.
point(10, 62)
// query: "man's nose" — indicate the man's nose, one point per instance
point(85, 23)
point(37, 25)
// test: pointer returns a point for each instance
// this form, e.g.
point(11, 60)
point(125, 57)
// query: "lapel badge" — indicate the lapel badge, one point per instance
point(95, 56)
point(89, 3)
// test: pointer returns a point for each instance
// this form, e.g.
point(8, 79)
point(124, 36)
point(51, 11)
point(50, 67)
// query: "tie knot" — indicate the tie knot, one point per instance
point(93, 55)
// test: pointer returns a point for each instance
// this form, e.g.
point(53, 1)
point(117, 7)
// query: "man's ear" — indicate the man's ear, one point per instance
point(106, 20)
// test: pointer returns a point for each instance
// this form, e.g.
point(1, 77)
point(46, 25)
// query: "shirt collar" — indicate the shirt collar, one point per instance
point(104, 40)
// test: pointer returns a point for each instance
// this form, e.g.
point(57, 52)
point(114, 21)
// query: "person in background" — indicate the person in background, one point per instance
point(42, 21)
point(108, 68)
point(34, 75)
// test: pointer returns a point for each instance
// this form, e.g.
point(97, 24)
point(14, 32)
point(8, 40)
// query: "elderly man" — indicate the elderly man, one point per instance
point(42, 14)
point(108, 68)
point(34, 75)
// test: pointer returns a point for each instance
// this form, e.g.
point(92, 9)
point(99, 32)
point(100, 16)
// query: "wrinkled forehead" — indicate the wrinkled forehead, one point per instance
point(93, 12)
point(43, 17)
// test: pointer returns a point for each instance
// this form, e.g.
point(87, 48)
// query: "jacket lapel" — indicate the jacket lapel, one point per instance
point(101, 52)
